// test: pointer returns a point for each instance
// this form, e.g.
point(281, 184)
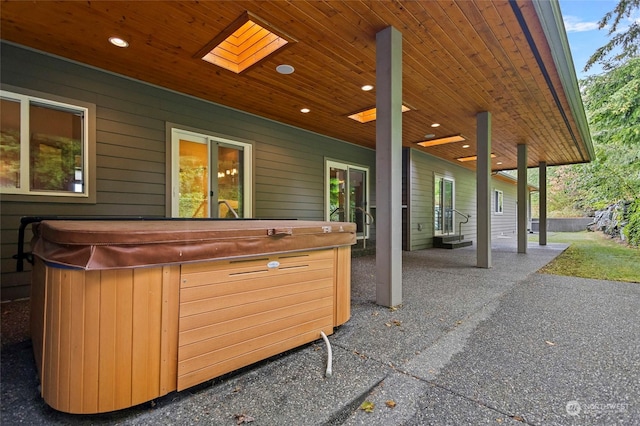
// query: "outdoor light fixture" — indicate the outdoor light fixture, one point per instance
point(370, 114)
point(442, 141)
point(118, 42)
point(244, 43)
point(472, 158)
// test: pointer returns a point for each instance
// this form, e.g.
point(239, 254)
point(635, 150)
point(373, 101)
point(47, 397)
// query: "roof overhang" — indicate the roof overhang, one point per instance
point(509, 57)
point(553, 25)
point(508, 178)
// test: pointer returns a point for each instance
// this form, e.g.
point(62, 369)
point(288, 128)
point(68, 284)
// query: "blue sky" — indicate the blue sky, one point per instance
point(581, 19)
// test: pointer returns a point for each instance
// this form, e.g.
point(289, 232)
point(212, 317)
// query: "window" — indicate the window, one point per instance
point(443, 203)
point(498, 201)
point(44, 146)
point(347, 195)
point(211, 176)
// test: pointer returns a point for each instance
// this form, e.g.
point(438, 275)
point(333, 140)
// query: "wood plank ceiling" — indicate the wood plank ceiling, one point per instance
point(459, 58)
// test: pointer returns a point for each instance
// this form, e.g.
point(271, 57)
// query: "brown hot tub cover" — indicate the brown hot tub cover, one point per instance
point(126, 244)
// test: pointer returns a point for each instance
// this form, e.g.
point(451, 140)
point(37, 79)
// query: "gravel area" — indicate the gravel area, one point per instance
point(14, 327)
point(467, 346)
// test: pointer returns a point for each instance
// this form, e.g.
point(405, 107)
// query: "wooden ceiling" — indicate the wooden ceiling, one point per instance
point(459, 58)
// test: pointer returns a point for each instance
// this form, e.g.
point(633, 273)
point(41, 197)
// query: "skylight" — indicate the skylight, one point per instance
point(370, 114)
point(244, 43)
point(442, 141)
point(472, 158)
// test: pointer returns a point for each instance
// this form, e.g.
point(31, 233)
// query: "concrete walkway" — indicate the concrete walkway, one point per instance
point(468, 346)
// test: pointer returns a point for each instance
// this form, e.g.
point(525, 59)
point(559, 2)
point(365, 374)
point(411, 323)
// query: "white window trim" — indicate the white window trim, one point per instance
point(24, 194)
point(328, 163)
point(173, 130)
point(451, 179)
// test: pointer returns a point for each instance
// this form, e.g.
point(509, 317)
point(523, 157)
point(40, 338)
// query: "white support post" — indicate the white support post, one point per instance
point(483, 189)
point(542, 230)
point(389, 167)
point(523, 198)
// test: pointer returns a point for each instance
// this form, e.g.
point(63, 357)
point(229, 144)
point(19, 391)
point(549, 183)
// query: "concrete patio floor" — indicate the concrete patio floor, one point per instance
point(467, 346)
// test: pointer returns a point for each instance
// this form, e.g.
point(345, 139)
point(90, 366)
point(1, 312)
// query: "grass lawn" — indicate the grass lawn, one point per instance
point(593, 255)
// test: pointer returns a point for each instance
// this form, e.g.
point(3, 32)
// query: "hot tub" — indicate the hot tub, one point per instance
point(126, 311)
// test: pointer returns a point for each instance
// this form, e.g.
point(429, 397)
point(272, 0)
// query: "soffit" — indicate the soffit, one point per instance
point(459, 58)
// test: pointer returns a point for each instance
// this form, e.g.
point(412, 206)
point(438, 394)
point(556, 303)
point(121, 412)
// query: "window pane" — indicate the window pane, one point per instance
point(497, 201)
point(337, 196)
point(357, 199)
point(55, 150)
point(448, 206)
point(438, 204)
point(230, 182)
point(9, 144)
point(194, 179)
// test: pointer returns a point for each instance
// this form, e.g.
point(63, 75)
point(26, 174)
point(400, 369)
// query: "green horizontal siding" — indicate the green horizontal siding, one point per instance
point(422, 170)
point(131, 149)
point(504, 225)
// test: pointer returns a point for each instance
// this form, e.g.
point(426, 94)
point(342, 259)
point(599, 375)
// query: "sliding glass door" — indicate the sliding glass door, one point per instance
point(347, 195)
point(443, 205)
point(211, 176)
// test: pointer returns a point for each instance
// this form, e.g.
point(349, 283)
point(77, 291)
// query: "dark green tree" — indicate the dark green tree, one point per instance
point(612, 104)
point(628, 41)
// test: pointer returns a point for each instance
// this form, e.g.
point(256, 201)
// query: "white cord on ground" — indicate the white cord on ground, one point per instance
point(329, 372)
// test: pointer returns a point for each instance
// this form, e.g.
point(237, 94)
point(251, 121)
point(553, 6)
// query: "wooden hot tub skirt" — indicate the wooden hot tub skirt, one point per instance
point(108, 339)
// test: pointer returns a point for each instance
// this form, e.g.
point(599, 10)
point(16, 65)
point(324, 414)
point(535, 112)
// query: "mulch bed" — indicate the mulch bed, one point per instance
point(14, 327)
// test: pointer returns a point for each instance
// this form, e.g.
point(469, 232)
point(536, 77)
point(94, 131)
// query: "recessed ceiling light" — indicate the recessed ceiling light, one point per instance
point(435, 125)
point(499, 162)
point(367, 87)
point(119, 42)
point(466, 146)
point(305, 110)
point(429, 135)
point(442, 141)
point(285, 69)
